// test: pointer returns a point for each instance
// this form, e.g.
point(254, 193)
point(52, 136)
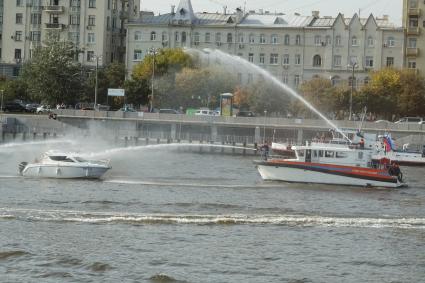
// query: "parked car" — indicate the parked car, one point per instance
point(13, 107)
point(205, 112)
point(127, 109)
point(43, 109)
point(410, 120)
point(169, 111)
point(245, 114)
point(31, 107)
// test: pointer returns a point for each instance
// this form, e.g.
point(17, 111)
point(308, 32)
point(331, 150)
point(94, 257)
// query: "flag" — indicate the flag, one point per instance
point(389, 143)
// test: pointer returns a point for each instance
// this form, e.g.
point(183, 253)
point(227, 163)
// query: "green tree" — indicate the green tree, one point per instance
point(411, 98)
point(52, 75)
point(266, 96)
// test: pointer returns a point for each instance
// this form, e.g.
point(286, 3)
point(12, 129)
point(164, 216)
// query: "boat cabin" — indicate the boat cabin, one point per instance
point(333, 155)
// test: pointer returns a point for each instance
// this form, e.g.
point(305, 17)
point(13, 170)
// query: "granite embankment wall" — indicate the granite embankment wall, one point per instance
point(154, 127)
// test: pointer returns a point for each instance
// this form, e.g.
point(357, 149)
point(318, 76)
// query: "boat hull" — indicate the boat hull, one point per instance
point(64, 172)
point(300, 172)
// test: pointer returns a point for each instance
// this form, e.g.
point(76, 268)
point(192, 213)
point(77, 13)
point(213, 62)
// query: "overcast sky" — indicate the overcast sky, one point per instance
point(393, 8)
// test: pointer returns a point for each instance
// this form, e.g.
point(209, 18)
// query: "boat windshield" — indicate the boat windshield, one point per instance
point(79, 159)
point(61, 158)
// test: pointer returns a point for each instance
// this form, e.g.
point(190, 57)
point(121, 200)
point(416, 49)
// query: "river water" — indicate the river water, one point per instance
point(165, 215)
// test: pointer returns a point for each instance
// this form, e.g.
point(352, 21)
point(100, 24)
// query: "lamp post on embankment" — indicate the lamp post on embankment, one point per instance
point(1, 102)
point(353, 65)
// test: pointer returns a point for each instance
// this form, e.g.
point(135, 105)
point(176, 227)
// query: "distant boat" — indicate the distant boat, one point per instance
point(64, 166)
point(385, 148)
point(331, 164)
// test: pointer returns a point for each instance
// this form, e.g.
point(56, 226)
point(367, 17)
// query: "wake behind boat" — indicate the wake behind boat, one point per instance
point(331, 164)
point(64, 166)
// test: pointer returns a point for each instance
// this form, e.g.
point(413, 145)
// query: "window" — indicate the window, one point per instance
point(138, 35)
point(19, 3)
point(229, 37)
point(338, 41)
point(241, 38)
point(73, 36)
point(413, 22)
point(18, 35)
point(262, 58)
point(90, 56)
point(353, 60)
point(286, 40)
point(218, 38)
point(176, 36)
point(74, 20)
point(328, 40)
point(274, 59)
point(35, 19)
point(184, 37)
point(262, 39)
point(297, 59)
point(329, 154)
point(369, 61)
point(337, 60)
point(285, 60)
point(35, 36)
point(92, 20)
point(411, 64)
point(354, 41)
point(251, 38)
point(390, 61)
point(153, 36)
point(251, 57)
point(412, 42)
point(92, 3)
point(298, 39)
point(296, 80)
point(391, 42)
point(274, 39)
point(317, 40)
point(164, 37)
point(17, 53)
point(196, 38)
point(317, 61)
point(285, 78)
point(137, 55)
point(91, 37)
point(207, 37)
point(19, 18)
point(370, 41)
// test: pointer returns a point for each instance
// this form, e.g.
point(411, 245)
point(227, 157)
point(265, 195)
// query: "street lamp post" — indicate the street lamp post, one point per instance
point(97, 58)
point(1, 105)
point(153, 52)
point(264, 133)
point(353, 65)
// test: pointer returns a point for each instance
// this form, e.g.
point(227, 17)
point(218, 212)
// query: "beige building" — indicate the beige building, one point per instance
point(291, 47)
point(95, 27)
point(414, 24)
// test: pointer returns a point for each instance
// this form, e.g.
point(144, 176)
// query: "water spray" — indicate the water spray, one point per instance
point(224, 58)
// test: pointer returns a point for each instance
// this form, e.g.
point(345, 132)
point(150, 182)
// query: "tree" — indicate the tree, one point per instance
point(52, 75)
point(411, 98)
point(381, 92)
point(267, 96)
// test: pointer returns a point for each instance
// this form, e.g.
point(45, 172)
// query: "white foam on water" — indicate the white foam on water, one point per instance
point(62, 216)
point(162, 184)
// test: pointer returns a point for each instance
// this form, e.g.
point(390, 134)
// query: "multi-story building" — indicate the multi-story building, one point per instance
point(414, 24)
point(94, 27)
point(291, 47)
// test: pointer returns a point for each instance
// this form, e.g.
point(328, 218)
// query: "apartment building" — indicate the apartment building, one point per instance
point(292, 47)
point(95, 27)
point(414, 24)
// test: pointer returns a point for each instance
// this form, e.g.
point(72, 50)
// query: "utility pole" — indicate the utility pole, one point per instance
point(153, 52)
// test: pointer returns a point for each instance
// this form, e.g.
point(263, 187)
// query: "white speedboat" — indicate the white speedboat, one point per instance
point(331, 164)
point(64, 166)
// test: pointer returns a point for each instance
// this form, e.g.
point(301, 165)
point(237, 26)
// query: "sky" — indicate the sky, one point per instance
point(392, 8)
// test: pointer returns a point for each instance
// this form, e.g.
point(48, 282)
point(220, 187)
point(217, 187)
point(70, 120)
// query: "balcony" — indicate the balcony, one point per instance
point(54, 9)
point(414, 12)
point(413, 31)
point(412, 51)
point(55, 26)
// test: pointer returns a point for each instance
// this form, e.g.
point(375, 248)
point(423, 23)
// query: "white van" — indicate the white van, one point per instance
point(205, 112)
